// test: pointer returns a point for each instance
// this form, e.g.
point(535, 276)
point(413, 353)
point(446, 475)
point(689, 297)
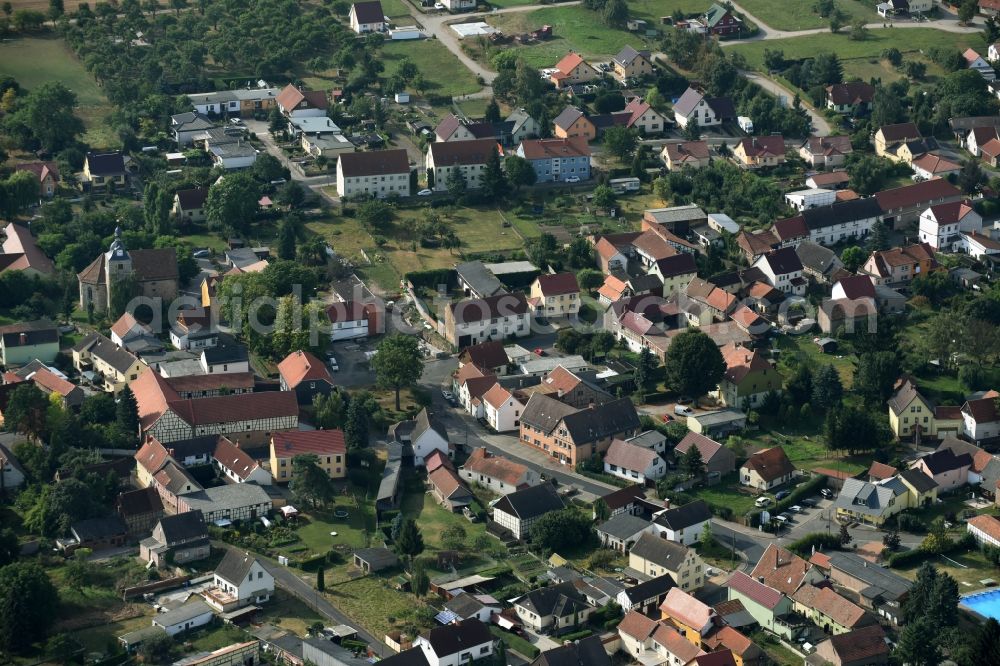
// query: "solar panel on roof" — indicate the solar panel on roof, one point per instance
point(446, 617)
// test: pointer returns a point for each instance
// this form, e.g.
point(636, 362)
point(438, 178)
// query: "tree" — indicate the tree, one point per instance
point(891, 541)
point(286, 240)
point(855, 429)
point(310, 484)
point(291, 194)
point(603, 196)
point(46, 115)
point(410, 542)
point(267, 169)
point(419, 581)
point(329, 411)
point(601, 510)
point(615, 13)
point(609, 102)
point(492, 114)
point(844, 537)
point(232, 202)
point(971, 177)
point(985, 645)
point(707, 539)
point(376, 214)
point(356, 427)
point(967, 11)
point(827, 388)
point(589, 279)
point(519, 172)
point(26, 410)
point(561, 529)
point(917, 644)
point(321, 579)
point(693, 364)
point(859, 31)
point(28, 605)
point(878, 240)
point(692, 463)
point(398, 363)
point(276, 120)
point(621, 141)
point(455, 182)
point(646, 365)
point(494, 182)
point(853, 257)
point(127, 414)
point(875, 374)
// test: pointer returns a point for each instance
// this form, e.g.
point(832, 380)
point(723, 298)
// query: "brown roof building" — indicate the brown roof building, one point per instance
point(767, 469)
point(154, 273)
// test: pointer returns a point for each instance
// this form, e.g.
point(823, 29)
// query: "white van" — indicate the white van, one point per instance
point(681, 410)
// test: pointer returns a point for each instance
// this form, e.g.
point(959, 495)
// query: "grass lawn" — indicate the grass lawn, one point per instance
point(966, 568)
point(574, 29)
point(718, 555)
point(442, 70)
point(396, 8)
point(315, 534)
point(654, 10)
point(433, 519)
point(37, 60)
point(908, 41)
point(803, 348)
point(512, 3)
point(473, 108)
point(374, 603)
point(728, 493)
point(783, 15)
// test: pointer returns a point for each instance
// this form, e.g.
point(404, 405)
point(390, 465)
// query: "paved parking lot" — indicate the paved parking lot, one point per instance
point(354, 369)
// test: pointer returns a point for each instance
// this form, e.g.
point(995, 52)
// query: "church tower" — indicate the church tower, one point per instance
point(117, 263)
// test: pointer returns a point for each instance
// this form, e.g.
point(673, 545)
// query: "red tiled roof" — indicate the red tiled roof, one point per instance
point(535, 149)
point(496, 396)
point(292, 443)
point(781, 569)
point(857, 286)
point(637, 625)
point(446, 481)
point(880, 471)
point(558, 284)
point(613, 287)
point(918, 193)
point(935, 164)
point(152, 455)
point(834, 606)
point(437, 459)
point(741, 361)
point(682, 606)
point(861, 646)
point(986, 524)
point(707, 447)
point(234, 458)
point(762, 146)
point(569, 62)
point(241, 407)
point(495, 467)
point(52, 382)
point(152, 395)
point(790, 227)
point(752, 589)
point(770, 463)
point(301, 366)
point(212, 382)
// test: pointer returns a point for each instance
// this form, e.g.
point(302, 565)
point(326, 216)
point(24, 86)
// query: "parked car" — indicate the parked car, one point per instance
point(782, 519)
point(827, 493)
point(425, 193)
point(447, 395)
point(667, 418)
point(573, 179)
point(781, 494)
point(539, 351)
point(762, 502)
point(201, 254)
point(795, 509)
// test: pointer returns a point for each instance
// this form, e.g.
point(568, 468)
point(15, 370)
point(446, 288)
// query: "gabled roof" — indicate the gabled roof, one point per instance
point(751, 588)
point(861, 646)
point(466, 153)
point(637, 625)
point(763, 146)
point(239, 407)
point(136, 502)
point(627, 55)
point(192, 199)
point(601, 421)
point(714, 14)
point(559, 600)
point(834, 606)
point(687, 515)
point(183, 527)
point(495, 467)
point(19, 241)
point(374, 163)
point(661, 552)
point(569, 62)
point(857, 286)
point(485, 355)
point(544, 412)
point(935, 164)
point(919, 193)
point(623, 526)
point(101, 347)
point(492, 307)
point(558, 284)
point(983, 410)
point(567, 117)
point(741, 361)
point(235, 566)
point(530, 502)
point(707, 447)
point(291, 443)
point(301, 366)
point(537, 149)
point(781, 569)
point(782, 261)
point(856, 92)
point(447, 483)
point(235, 459)
point(368, 12)
point(685, 151)
point(106, 164)
point(650, 589)
point(685, 608)
point(629, 456)
point(899, 132)
point(880, 471)
point(623, 497)
point(944, 460)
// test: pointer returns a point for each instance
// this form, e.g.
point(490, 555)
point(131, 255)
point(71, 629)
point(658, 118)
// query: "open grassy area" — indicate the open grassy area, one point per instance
point(729, 493)
point(397, 9)
point(653, 10)
point(966, 568)
point(37, 60)
point(443, 72)
point(783, 15)
point(433, 519)
point(574, 29)
point(314, 532)
point(861, 54)
point(805, 349)
point(375, 604)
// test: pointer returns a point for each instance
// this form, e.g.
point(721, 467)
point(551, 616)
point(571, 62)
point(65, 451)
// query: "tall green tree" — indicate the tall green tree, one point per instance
point(494, 181)
point(398, 363)
point(875, 374)
point(827, 388)
point(28, 605)
point(127, 414)
point(692, 464)
point(492, 114)
point(693, 364)
point(321, 579)
point(520, 172)
point(286, 241)
point(46, 116)
point(310, 484)
point(356, 425)
point(918, 645)
point(232, 202)
point(557, 530)
point(410, 542)
point(26, 410)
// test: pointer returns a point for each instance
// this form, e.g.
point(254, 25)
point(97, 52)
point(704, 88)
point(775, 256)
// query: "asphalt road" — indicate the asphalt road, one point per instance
point(752, 548)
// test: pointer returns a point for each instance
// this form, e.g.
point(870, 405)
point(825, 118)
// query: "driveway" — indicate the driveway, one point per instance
point(820, 125)
point(314, 183)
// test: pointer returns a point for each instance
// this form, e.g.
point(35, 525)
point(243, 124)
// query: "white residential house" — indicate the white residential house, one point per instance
point(981, 419)
point(350, 320)
point(633, 463)
point(239, 580)
point(378, 173)
point(11, 472)
point(502, 409)
point(694, 107)
point(977, 245)
point(424, 434)
point(183, 618)
point(367, 17)
point(783, 270)
point(463, 642)
point(941, 226)
point(458, 5)
point(468, 157)
point(683, 524)
point(979, 137)
point(802, 199)
point(993, 53)
point(497, 473)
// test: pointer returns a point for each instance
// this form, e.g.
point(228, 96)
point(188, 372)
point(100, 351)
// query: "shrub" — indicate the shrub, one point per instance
point(907, 522)
point(908, 558)
point(821, 540)
point(576, 635)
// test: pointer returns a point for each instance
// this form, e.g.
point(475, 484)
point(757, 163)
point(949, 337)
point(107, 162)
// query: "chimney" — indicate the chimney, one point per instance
point(760, 579)
point(24, 339)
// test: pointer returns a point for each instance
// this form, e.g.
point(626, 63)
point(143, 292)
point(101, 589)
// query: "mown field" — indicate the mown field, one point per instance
point(800, 15)
point(444, 73)
point(36, 60)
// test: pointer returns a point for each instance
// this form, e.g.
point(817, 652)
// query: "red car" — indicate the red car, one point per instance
point(667, 418)
point(539, 351)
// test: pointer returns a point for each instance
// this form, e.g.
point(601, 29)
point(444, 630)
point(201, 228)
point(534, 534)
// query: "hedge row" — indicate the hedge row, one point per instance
point(576, 635)
point(910, 557)
point(821, 540)
point(606, 478)
point(431, 279)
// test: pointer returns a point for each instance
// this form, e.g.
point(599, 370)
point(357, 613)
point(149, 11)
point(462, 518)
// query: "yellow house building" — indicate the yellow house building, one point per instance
point(327, 445)
point(555, 295)
point(912, 416)
point(113, 366)
point(654, 557)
